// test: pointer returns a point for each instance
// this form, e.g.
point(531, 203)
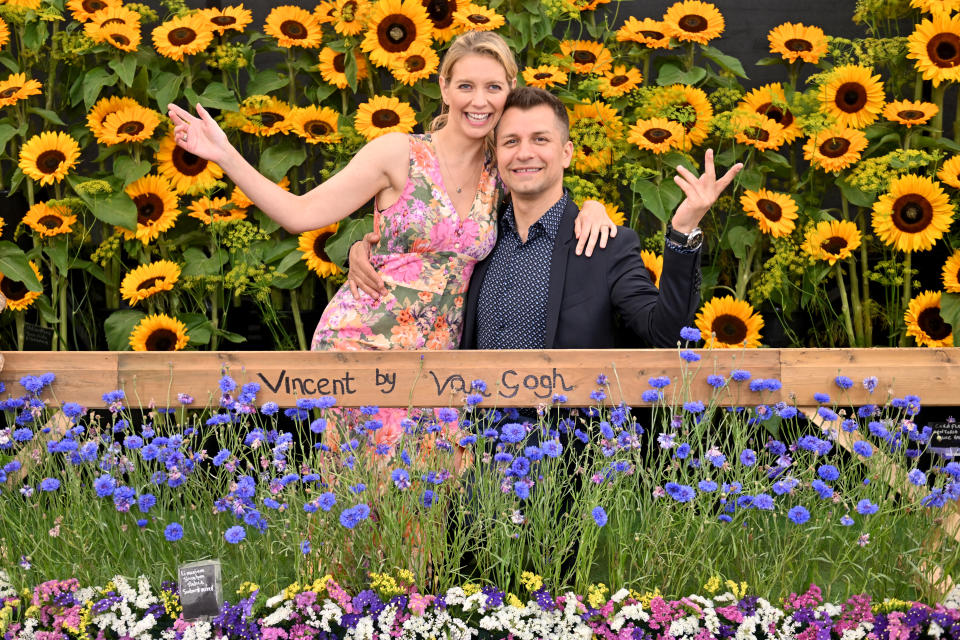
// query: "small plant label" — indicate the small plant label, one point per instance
point(201, 589)
point(946, 438)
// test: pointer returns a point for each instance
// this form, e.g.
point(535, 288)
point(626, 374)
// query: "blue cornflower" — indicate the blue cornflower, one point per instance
point(12, 467)
point(173, 532)
point(843, 382)
point(866, 508)
point(682, 451)
point(763, 501)
point(133, 442)
point(104, 486)
point(598, 395)
point(22, 435)
point(849, 425)
point(690, 334)
point(503, 457)
point(305, 547)
point(781, 487)
point(310, 507)
point(740, 375)
point(72, 410)
point(599, 516)
point(551, 448)
point(520, 467)
point(659, 382)
point(758, 384)
point(808, 443)
point(823, 489)
point(466, 441)
point(401, 479)
point(846, 520)
point(146, 502)
point(606, 430)
point(827, 414)
point(447, 415)
point(651, 395)
point(690, 356)
point(787, 412)
point(917, 477)
point(235, 534)
point(602, 379)
point(680, 492)
point(227, 384)
point(694, 406)
point(142, 522)
point(878, 430)
point(269, 408)
point(535, 454)
point(221, 457)
point(326, 501)
point(748, 457)
point(707, 486)
point(863, 448)
point(270, 503)
point(936, 499)
point(296, 413)
point(718, 460)
point(427, 498)
point(724, 518)
point(798, 514)
point(522, 489)
point(353, 516)
point(828, 472)
point(717, 382)
point(319, 425)
point(373, 425)
point(49, 484)
point(513, 432)
point(867, 410)
point(870, 383)
point(478, 385)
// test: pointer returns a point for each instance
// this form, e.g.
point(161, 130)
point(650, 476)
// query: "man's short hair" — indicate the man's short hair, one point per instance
point(526, 98)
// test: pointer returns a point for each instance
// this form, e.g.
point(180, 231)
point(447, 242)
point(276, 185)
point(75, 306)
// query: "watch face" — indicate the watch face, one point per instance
point(695, 238)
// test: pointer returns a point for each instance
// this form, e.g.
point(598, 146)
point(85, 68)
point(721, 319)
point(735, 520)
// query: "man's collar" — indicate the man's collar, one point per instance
point(549, 221)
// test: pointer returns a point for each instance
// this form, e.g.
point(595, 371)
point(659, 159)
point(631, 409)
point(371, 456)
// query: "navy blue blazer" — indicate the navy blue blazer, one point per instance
point(587, 294)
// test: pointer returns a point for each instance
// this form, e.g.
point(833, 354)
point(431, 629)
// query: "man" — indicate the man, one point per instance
point(534, 291)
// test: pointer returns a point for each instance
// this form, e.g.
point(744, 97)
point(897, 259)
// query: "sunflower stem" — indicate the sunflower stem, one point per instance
point(956, 122)
point(646, 68)
point(854, 285)
point(690, 57)
point(30, 201)
point(907, 289)
point(63, 317)
point(292, 93)
point(744, 272)
point(845, 306)
point(867, 303)
point(297, 320)
point(936, 125)
point(19, 319)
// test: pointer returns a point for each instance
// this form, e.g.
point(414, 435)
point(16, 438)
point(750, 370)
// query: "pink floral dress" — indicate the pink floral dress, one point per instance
point(425, 257)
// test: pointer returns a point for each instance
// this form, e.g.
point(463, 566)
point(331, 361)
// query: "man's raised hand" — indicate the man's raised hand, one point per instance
point(701, 192)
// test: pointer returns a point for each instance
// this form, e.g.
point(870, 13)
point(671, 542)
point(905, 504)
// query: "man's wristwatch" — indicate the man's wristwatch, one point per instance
point(691, 240)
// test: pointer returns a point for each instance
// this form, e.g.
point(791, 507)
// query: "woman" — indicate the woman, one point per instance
point(435, 197)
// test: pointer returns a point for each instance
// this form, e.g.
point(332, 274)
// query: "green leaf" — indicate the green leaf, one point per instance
point(934, 143)
point(280, 249)
point(290, 259)
point(230, 336)
point(750, 178)
point(116, 208)
point(277, 160)
point(293, 278)
point(197, 263)
point(49, 116)
point(766, 62)
point(741, 239)
point(350, 69)
point(725, 62)
point(324, 91)
point(47, 314)
point(56, 250)
point(217, 96)
point(266, 81)
point(15, 180)
point(675, 159)
point(775, 158)
point(855, 196)
point(164, 88)
point(119, 326)
point(15, 265)
point(7, 131)
point(127, 170)
point(10, 63)
point(126, 68)
point(950, 312)
point(93, 82)
point(431, 90)
point(35, 34)
point(267, 224)
point(199, 328)
point(672, 74)
point(660, 200)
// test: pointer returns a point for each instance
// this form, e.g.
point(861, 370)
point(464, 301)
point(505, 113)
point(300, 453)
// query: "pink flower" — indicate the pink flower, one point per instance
point(405, 267)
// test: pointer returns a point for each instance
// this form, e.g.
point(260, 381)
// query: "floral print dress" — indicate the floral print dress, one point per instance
point(425, 257)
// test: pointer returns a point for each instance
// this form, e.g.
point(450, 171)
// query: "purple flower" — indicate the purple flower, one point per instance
point(690, 334)
point(146, 502)
point(522, 489)
point(827, 414)
point(551, 448)
point(49, 484)
point(104, 486)
point(401, 479)
point(870, 383)
point(694, 406)
point(447, 415)
point(846, 520)
point(689, 356)
point(763, 501)
point(863, 448)
point(651, 395)
point(917, 477)
point(354, 515)
point(602, 379)
point(758, 384)
point(740, 375)
point(427, 498)
point(513, 432)
point(305, 547)
point(679, 492)
point(598, 395)
point(326, 501)
point(227, 384)
point(173, 532)
point(659, 382)
point(843, 382)
point(269, 408)
point(798, 514)
point(822, 398)
point(599, 516)
point(866, 508)
point(707, 486)
point(235, 534)
point(717, 382)
point(823, 490)
point(748, 457)
point(828, 472)
point(682, 451)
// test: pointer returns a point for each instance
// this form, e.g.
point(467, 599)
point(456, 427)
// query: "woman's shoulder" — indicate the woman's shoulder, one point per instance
point(393, 144)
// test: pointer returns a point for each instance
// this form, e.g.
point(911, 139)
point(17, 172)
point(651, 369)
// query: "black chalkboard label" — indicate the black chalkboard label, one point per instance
point(37, 338)
point(201, 589)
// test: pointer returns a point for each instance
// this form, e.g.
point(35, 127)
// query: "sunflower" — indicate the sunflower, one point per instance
point(775, 212)
point(756, 130)
point(727, 323)
point(132, 124)
point(656, 134)
point(333, 67)
point(49, 221)
point(121, 36)
point(913, 214)
point(83, 10)
point(210, 210)
point(795, 41)
point(148, 279)
point(124, 20)
point(394, 27)
point(187, 173)
point(476, 18)
point(832, 240)
point(620, 81)
point(852, 96)
point(693, 21)
point(613, 212)
point(265, 115)
point(23, 4)
point(182, 36)
point(349, 16)
point(159, 332)
point(18, 296)
point(441, 14)
point(951, 273)
point(770, 101)
point(648, 32)
point(417, 63)
point(909, 113)
point(834, 149)
point(315, 124)
point(103, 108)
point(384, 114)
point(313, 246)
point(47, 157)
point(950, 172)
point(587, 56)
point(324, 11)
point(220, 20)
point(925, 323)
point(936, 6)
point(157, 211)
point(653, 264)
point(4, 33)
point(17, 87)
point(935, 45)
point(293, 27)
point(593, 127)
point(544, 76)
point(688, 107)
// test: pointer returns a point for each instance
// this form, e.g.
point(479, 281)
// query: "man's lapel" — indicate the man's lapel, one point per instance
point(558, 270)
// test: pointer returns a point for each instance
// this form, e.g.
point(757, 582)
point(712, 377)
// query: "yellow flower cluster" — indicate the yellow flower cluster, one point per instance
point(559, 9)
point(257, 278)
point(597, 595)
point(171, 603)
point(108, 249)
point(531, 581)
point(238, 235)
point(246, 588)
point(646, 597)
point(470, 588)
point(580, 188)
point(713, 584)
point(228, 56)
point(783, 269)
point(385, 585)
point(514, 601)
point(93, 187)
point(874, 174)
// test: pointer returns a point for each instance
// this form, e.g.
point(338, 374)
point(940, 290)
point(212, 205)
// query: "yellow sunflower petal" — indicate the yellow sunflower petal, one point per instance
point(313, 246)
point(909, 112)
point(951, 273)
point(182, 36)
point(83, 10)
point(131, 124)
point(544, 76)
point(159, 332)
point(265, 115)
point(776, 212)
point(950, 172)
point(834, 149)
point(416, 63)
point(935, 46)
point(442, 17)
point(210, 210)
point(350, 16)
point(473, 17)
point(18, 296)
point(852, 96)
point(293, 27)
point(16, 87)
point(658, 135)
point(148, 280)
point(394, 27)
point(727, 323)
point(654, 265)
point(185, 171)
point(832, 240)
point(620, 81)
point(913, 214)
point(694, 21)
point(384, 114)
point(651, 33)
point(770, 101)
point(48, 156)
point(4, 33)
point(688, 107)
point(49, 221)
point(316, 124)
point(587, 56)
point(157, 211)
point(924, 322)
point(234, 18)
point(333, 67)
point(796, 41)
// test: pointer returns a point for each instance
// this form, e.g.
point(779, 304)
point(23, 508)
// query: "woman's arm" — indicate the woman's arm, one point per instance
point(378, 168)
point(592, 224)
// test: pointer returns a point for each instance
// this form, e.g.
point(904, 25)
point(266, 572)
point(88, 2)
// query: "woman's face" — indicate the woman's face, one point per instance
point(475, 94)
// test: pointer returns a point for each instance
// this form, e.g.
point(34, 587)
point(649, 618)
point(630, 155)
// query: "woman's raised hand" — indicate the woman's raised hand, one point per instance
point(201, 136)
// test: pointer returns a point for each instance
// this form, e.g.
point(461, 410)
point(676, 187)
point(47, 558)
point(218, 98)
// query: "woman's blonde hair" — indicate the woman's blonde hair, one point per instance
point(483, 43)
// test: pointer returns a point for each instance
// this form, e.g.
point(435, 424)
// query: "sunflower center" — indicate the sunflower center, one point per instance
point(833, 245)
point(775, 113)
point(223, 21)
point(293, 29)
point(912, 213)
point(149, 208)
point(834, 147)
point(119, 38)
point(543, 75)
point(932, 324)
point(269, 118)
point(112, 21)
point(149, 282)
point(770, 209)
point(415, 63)
point(851, 96)
point(478, 18)
point(91, 6)
point(384, 118)
point(693, 22)
point(910, 114)
point(581, 56)
point(440, 12)
point(396, 33)
point(161, 340)
point(181, 36)
point(652, 35)
point(657, 135)
point(349, 12)
point(320, 245)
point(131, 128)
point(13, 290)
point(338, 62)
point(757, 133)
point(9, 91)
point(187, 163)
point(944, 50)
point(50, 221)
point(317, 128)
point(729, 329)
point(798, 44)
point(48, 161)
point(616, 81)
point(653, 276)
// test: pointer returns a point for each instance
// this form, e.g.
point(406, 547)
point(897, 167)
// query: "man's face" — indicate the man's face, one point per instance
point(532, 151)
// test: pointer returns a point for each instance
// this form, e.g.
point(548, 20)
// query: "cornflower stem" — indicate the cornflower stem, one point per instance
point(845, 305)
point(866, 302)
point(744, 272)
point(854, 286)
point(936, 125)
point(62, 337)
point(297, 320)
point(907, 290)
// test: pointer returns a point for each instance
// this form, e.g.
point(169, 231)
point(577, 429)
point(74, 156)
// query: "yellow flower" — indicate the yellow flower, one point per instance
point(186, 172)
point(544, 76)
point(476, 18)
point(159, 332)
point(935, 45)
point(834, 149)
point(118, 34)
point(595, 118)
point(324, 11)
point(265, 115)
point(775, 212)
point(234, 18)
point(209, 210)
point(688, 107)
point(17, 87)
point(588, 5)
point(182, 36)
point(333, 67)
point(149, 279)
point(727, 323)
point(384, 114)
point(18, 296)
point(925, 323)
point(293, 27)
point(315, 124)
point(157, 211)
point(951, 273)
point(620, 81)
point(832, 240)
point(648, 32)
point(796, 41)
point(102, 109)
point(24, 4)
point(587, 56)
point(913, 214)
point(757, 130)
point(394, 27)
point(936, 6)
point(47, 157)
point(312, 244)
point(417, 63)
point(83, 10)
point(909, 113)
point(770, 101)
point(349, 16)
point(950, 172)
point(654, 266)
point(49, 221)
point(694, 21)
point(131, 124)
point(852, 96)
point(442, 16)
point(658, 135)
